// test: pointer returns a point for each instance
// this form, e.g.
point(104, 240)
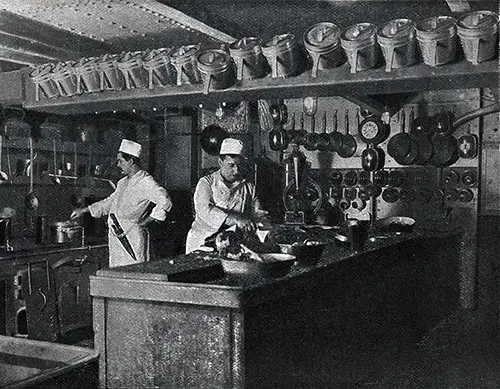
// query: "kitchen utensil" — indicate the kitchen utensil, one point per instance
point(323, 138)
point(445, 149)
point(31, 200)
point(401, 146)
point(119, 233)
point(349, 145)
point(380, 177)
point(336, 138)
point(4, 177)
point(420, 131)
point(278, 139)
point(451, 178)
point(372, 158)
point(283, 55)
point(373, 130)
point(307, 253)
point(478, 32)
point(390, 195)
point(216, 68)
point(407, 194)
point(265, 119)
point(358, 203)
point(395, 224)
point(396, 178)
point(322, 42)
point(350, 178)
point(397, 39)
point(465, 195)
point(279, 113)
point(248, 57)
point(252, 254)
point(55, 179)
point(312, 139)
point(184, 60)
point(360, 44)
point(373, 190)
point(211, 138)
point(274, 265)
point(9, 165)
point(437, 38)
point(357, 234)
point(66, 232)
point(469, 177)
point(451, 195)
point(364, 178)
point(336, 177)
point(468, 145)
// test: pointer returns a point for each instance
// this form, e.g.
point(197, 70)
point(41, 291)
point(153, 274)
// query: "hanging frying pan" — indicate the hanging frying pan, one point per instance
point(445, 150)
point(380, 177)
point(336, 138)
point(312, 139)
point(390, 195)
point(402, 147)
point(212, 137)
point(323, 138)
point(420, 131)
point(349, 145)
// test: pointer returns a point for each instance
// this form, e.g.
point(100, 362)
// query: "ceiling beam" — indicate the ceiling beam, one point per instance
point(26, 41)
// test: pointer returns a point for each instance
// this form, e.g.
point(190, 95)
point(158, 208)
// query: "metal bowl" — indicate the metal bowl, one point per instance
point(307, 253)
point(396, 224)
point(274, 265)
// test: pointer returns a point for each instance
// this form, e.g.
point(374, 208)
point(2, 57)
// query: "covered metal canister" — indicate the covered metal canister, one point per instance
point(185, 63)
point(478, 32)
point(437, 37)
point(160, 70)
point(283, 55)
point(360, 44)
point(397, 39)
point(216, 69)
point(248, 58)
point(322, 42)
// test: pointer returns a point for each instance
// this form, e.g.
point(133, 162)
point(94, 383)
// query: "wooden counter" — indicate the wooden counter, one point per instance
point(181, 322)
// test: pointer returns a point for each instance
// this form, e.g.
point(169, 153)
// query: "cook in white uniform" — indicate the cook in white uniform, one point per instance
point(129, 202)
point(224, 199)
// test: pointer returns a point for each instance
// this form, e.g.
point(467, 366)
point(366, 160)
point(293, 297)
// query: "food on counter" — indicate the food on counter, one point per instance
point(229, 244)
point(291, 235)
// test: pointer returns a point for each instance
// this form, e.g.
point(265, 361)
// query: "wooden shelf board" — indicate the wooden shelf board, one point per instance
point(334, 82)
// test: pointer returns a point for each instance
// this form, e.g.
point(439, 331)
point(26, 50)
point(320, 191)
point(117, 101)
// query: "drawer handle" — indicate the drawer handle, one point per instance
point(43, 297)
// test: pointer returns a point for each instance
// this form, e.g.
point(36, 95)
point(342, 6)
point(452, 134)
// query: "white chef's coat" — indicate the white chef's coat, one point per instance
point(213, 200)
point(128, 202)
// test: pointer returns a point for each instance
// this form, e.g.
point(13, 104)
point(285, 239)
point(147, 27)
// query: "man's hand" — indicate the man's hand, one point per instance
point(78, 212)
point(143, 223)
point(242, 222)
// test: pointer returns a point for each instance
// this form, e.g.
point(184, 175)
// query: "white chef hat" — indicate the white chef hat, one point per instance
point(131, 148)
point(231, 146)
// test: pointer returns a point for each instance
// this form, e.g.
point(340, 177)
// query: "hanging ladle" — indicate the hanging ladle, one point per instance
point(55, 179)
point(4, 177)
point(31, 201)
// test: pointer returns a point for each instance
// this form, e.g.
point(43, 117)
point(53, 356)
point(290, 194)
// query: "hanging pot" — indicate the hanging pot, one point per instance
point(390, 195)
point(211, 139)
point(278, 139)
point(420, 130)
point(373, 190)
point(402, 147)
point(364, 178)
point(372, 158)
point(279, 113)
point(351, 178)
point(445, 150)
point(336, 177)
point(336, 138)
point(312, 139)
point(349, 144)
point(380, 177)
point(324, 138)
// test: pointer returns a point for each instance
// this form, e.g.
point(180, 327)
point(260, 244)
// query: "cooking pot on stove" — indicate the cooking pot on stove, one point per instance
point(66, 232)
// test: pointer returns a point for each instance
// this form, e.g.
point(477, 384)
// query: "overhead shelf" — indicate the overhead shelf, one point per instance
point(334, 82)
